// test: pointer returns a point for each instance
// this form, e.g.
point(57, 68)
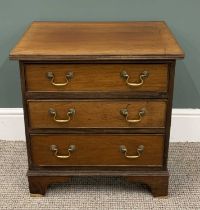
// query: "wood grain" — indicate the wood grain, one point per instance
point(156, 180)
point(96, 53)
point(97, 114)
point(38, 185)
point(97, 40)
point(157, 184)
point(97, 150)
point(96, 77)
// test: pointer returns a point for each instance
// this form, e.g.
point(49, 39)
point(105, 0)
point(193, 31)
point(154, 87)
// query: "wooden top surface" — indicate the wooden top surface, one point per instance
point(97, 40)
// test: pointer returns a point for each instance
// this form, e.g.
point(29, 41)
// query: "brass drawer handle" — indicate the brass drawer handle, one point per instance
point(141, 113)
point(70, 114)
point(51, 77)
point(142, 76)
point(139, 150)
point(70, 149)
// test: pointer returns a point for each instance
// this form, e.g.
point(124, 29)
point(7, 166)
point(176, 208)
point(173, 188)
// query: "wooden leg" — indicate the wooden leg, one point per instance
point(158, 184)
point(39, 184)
point(156, 180)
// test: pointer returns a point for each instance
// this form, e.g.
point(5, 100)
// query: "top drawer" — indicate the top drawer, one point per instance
point(96, 77)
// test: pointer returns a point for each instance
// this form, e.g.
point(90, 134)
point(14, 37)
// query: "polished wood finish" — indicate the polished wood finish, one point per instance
point(99, 150)
point(38, 185)
point(157, 181)
point(157, 184)
point(96, 53)
point(106, 77)
point(98, 40)
point(97, 114)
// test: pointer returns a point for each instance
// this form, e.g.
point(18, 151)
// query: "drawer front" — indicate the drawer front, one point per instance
point(97, 114)
point(96, 77)
point(99, 150)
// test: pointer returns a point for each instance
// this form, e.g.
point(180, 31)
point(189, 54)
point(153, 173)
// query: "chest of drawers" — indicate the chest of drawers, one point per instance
point(97, 101)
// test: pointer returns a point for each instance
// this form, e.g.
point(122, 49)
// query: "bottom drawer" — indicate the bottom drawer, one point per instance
point(97, 150)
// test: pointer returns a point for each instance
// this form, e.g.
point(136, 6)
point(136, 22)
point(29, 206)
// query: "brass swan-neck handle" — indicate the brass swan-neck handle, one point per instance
point(141, 113)
point(51, 77)
point(70, 113)
point(142, 76)
point(70, 149)
point(139, 151)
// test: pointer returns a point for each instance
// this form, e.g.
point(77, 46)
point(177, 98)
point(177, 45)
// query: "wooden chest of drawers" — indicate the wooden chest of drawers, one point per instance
point(97, 100)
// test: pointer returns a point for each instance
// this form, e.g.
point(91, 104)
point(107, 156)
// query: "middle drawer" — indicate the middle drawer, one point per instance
point(97, 113)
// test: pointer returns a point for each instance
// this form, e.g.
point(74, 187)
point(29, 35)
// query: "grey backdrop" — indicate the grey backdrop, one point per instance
point(182, 16)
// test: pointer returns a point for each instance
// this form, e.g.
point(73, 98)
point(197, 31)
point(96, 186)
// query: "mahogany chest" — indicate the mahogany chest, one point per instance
point(97, 100)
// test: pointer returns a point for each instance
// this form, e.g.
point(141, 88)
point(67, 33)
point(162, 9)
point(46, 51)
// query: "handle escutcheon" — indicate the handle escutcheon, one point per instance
point(51, 77)
point(70, 149)
point(70, 113)
point(139, 151)
point(141, 114)
point(142, 76)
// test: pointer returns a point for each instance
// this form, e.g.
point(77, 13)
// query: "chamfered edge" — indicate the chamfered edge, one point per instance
point(17, 56)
